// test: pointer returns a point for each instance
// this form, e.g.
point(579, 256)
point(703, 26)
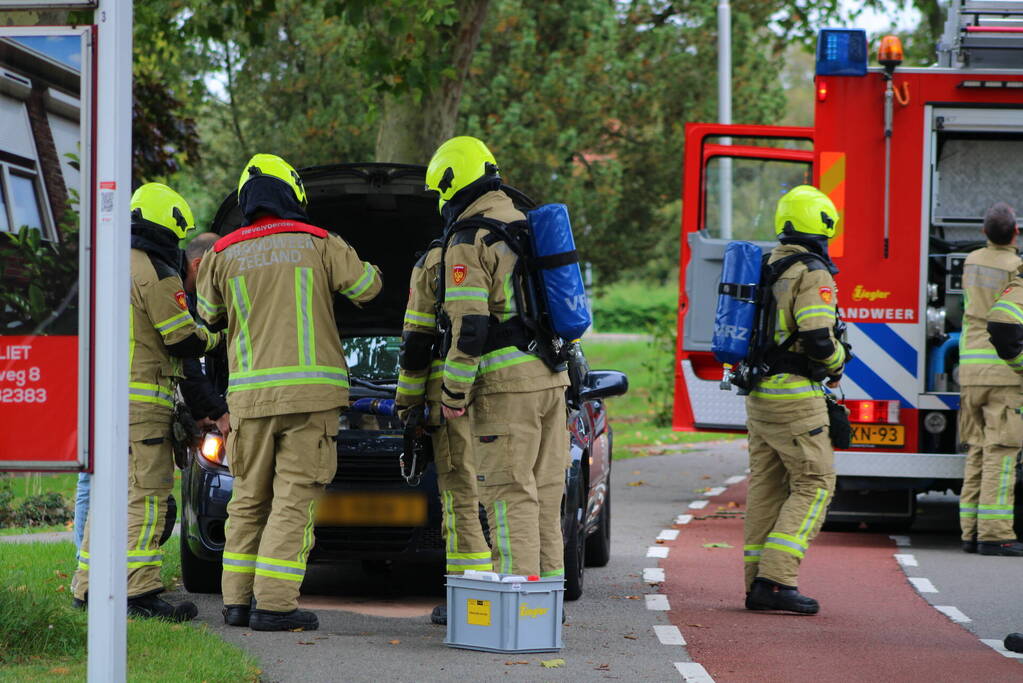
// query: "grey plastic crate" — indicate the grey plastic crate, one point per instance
point(505, 617)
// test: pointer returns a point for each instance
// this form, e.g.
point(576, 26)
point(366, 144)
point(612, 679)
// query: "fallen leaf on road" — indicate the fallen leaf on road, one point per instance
point(553, 663)
point(702, 490)
point(636, 471)
point(732, 504)
point(706, 476)
point(514, 663)
point(633, 597)
point(696, 625)
point(394, 642)
point(631, 636)
point(602, 667)
point(717, 545)
point(306, 642)
point(636, 483)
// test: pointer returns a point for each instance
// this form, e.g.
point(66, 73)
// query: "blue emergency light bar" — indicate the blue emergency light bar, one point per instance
point(842, 52)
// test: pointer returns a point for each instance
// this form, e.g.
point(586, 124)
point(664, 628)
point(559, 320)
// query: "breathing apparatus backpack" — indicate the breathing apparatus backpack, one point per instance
point(550, 297)
point(744, 323)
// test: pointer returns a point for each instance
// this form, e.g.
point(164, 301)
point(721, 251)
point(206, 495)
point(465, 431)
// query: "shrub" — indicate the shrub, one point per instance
point(634, 307)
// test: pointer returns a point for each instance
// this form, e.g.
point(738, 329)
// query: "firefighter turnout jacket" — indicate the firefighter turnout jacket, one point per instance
point(479, 295)
point(807, 301)
point(1005, 324)
point(421, 367)
point(291, 269)
point(986, 273)
point(161, 333)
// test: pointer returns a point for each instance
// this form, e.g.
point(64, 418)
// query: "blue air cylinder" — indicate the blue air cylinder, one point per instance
point(558, 265)
point(375, 406)
point(736, 311)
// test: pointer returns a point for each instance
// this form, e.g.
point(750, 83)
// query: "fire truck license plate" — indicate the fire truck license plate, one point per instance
point(878, 435)
point(371, 509)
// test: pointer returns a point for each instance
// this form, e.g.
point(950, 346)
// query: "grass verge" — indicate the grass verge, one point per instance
point(42, 638)
point(635, 433)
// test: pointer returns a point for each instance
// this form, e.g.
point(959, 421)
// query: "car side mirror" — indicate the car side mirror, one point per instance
point(603, 384)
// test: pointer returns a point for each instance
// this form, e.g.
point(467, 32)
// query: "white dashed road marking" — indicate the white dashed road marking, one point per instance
point(657, 602)
point(683, 519)
point(667, 535)
point(698, 504)
point(737, 479)
point(716, 491)
point(922, 585)
point(657, 551)
point(693, 672)
point(669, 635)
point(902, 541)
point(953, 613)
point(653, 575)
point(906, 560)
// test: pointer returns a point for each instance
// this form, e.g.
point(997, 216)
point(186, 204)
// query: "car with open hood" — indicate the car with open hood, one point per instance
point(370, 512)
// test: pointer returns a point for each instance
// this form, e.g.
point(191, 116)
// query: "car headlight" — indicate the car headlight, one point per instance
point(213, 449)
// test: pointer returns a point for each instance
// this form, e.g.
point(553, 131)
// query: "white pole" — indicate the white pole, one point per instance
point(108, 515)
point(725, 112)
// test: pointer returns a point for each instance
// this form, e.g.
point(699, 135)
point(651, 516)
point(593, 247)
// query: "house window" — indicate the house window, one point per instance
point(21, 200)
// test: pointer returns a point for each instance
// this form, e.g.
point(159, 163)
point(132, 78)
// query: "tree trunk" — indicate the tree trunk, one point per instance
point(410, 131)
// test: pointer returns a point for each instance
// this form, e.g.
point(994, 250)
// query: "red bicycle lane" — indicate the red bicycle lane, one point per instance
point(873, 626)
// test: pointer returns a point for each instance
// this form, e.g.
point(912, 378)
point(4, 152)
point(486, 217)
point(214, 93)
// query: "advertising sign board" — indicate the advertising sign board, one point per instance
point(46, 159)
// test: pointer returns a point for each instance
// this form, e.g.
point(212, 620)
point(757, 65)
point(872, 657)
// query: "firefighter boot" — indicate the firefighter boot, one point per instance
point(238, 615)
point(1014, 642)
point(439, 615)
point(767, 595)
point(1011, 548)
point(151, 606)
point(295, 620)
point(970, 546)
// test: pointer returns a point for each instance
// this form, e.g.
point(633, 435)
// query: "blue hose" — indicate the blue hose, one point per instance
point(938, 360)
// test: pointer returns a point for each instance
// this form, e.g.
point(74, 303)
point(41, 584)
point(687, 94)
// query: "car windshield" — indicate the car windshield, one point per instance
point(372, 357)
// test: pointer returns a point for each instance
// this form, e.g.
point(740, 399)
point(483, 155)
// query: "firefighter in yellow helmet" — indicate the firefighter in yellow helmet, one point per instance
point(516, 403)
point(420, 375)
point(161, 333)
point(792, 473)
point(990, 362)
point(271, 282)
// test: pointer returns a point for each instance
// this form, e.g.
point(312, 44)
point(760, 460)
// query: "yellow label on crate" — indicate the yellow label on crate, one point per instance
point(477, 612)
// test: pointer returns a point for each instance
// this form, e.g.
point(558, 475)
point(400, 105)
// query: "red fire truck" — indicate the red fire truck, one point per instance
point(912, 158)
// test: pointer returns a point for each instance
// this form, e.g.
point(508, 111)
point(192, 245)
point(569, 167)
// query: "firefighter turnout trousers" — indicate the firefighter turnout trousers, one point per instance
point(990, 423)
point(280, 465)
point(522, 452)
point(464, 543)
point(150, 480)
point(792, 477)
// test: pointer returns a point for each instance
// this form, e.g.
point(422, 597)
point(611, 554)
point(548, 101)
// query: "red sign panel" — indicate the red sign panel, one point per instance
point(39, 401)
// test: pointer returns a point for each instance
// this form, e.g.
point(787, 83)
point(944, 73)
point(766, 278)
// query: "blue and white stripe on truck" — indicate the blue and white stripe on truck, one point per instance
point(886, 364)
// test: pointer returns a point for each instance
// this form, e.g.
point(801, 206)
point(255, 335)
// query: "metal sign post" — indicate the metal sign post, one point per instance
point(108, 517)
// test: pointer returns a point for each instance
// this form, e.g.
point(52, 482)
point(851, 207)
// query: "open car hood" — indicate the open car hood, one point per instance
point(386, 214)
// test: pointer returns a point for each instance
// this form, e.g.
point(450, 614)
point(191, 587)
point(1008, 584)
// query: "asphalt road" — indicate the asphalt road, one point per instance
point(375, 624)
point(609, 633)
